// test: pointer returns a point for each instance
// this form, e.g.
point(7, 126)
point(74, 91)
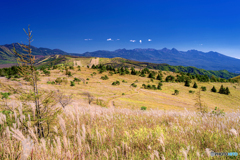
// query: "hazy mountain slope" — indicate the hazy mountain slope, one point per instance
point(6, 52)
point(209, 61)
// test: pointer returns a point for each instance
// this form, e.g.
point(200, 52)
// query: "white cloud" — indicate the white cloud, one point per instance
point(149, 40)
point(201, 44)
point(118, 39)
point(87, 39)
point(140, 41)
point(109, 39)
point(132, 40)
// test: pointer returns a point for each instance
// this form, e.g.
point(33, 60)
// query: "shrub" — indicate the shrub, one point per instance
point(71, 67)
point(47, 73)
point(17, 76)
point(86, 82)
point(218, 112)
point(69, 73)
point(65, 81)
point(55, 67)
point(111, 73)
point(123, 93)
point(104, 77)
point(116, 83)
point(50, 82)
point(5, 95)
point(88, 79)
point(134, 85)
point(203, 88)
point(58, 80)
point(170, 78)
point(154, 87)
point(143, 108)
point(176, 92)
point(72, 83)
point(191, 91)
point(76, 80)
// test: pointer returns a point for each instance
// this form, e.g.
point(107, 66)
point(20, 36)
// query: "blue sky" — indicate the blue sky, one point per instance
point(205, 25)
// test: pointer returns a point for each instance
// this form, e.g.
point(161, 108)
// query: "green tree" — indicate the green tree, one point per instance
point(195, 85)
point(222, 90)
point(159, 77)
point(187, 84)
point(227, 92)
point(45, 109)
point(72, 83)
point(213, 89)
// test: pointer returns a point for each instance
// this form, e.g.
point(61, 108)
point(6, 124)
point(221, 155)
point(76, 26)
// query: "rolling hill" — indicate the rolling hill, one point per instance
point(209, 61)
point(122, 62)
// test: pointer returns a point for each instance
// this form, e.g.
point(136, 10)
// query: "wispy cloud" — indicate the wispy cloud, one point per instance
point(201, 44)
point(132, 40)
point(140, 41)
point(149, 40)
point(109, 39)
point(87, 39)
point(118, 39)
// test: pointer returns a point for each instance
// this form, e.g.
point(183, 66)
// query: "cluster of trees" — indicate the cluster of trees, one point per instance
point(222, 90)
point(193, 70)
point(10, 72)
point(152, 86)
point(123, 71)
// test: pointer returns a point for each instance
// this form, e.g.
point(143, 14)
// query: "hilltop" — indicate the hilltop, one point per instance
point(122, 62)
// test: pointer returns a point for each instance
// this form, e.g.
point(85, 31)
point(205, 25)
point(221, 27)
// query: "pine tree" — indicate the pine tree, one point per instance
point(159, 77)
point(150, 75)
point(213, 89)
point(195, 85)
point(222, 90)
point(227, 92)
point(187, 84)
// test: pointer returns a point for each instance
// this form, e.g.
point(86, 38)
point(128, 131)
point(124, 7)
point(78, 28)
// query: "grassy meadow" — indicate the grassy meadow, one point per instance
point(170, 127)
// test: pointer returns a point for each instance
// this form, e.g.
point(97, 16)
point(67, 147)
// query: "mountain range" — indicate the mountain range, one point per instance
point(209, 60)
point(204, 60)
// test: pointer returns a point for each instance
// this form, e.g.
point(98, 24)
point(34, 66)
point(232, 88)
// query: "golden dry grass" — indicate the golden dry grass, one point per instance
point(165, 131)
point(134, 98)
